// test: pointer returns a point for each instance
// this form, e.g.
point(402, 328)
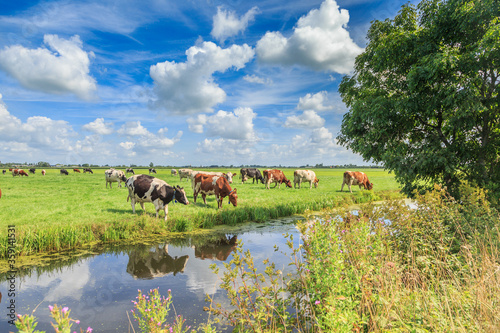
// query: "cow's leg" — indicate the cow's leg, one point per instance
point(132, 202)
point(204, 196)
point(142, 206)
point(166, 212)
point(310, 184)
point(195, 195)
point(342, 188)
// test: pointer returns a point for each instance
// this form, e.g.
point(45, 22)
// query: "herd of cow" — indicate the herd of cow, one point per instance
point(145, 188)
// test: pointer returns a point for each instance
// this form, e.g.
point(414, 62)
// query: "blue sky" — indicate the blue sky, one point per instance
point(205, 82)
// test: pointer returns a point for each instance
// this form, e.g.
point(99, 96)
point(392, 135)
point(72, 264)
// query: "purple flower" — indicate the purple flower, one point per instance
point(65, 309)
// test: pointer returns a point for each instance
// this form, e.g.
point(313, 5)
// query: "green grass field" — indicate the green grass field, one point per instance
point(55, 211)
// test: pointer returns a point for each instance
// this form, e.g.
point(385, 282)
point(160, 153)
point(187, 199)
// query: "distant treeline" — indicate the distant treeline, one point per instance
point(86, 165)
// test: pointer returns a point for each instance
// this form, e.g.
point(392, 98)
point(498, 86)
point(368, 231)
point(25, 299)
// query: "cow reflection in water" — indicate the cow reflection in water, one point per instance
point(154, 263)
point(218, 250)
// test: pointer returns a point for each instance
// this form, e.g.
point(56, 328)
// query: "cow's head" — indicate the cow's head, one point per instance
point(316, 181)
point(233, 197)
point(180, 195)
point(288, 183)
point(122, 177)
point(369, 185)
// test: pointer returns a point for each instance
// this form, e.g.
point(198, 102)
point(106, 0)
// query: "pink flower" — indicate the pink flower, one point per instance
point(317, 302)
point(65, 309)
point(89, 329)
point(77, 322)
point(51, 308)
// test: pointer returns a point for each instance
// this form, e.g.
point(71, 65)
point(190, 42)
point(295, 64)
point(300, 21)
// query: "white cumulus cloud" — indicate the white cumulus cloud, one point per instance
point(317, 102)
point(189, 87)
point(227, 24)
point(319, 41)
point(98, 126)
point(61, 68)
point(308, 119)
point(237, 125)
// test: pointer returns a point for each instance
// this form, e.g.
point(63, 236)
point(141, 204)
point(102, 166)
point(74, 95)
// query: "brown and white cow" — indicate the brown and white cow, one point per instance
point(76, 170)
point(145, 188)
point(185, 173)
point(300, 176)
point(113, 176)
point(277, 177)
point(19, 172)
point(43, 172)
point(356, 178)
point(229, 176)
point(214, 185)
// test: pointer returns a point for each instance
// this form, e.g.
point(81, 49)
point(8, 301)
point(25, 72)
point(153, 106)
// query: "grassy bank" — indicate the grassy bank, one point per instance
point(56, 212)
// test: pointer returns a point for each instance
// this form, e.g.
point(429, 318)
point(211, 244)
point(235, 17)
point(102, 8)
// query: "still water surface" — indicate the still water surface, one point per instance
point(99, 287)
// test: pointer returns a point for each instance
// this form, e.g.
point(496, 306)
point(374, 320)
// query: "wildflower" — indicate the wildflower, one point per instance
point(89, 329)
point(51, 308)
point(19, 316)
point(77, 322)
point(317, 302)
point(65, 309)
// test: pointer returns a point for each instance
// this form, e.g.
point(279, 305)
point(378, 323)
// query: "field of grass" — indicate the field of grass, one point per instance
point(55, 212)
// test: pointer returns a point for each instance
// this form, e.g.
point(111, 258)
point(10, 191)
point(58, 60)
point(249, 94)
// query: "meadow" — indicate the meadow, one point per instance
point(56, 212)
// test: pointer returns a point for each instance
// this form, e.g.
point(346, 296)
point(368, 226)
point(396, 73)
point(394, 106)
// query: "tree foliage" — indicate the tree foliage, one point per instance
point(424, 96)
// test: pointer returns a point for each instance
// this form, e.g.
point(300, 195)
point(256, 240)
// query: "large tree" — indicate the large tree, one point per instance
point(424, 96)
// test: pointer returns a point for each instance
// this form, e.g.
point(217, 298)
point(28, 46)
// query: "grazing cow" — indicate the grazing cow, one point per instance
point(152, 170)
point(300, 176)
point(209, 184)
point(19, 172)
point(113, 176)
point(63, 172)
point(130, 170)
point(185, 173)
point(173, 172)
point(356, 178)
point(88, 170)
point(76, 170)
point(144, 188)
point(32, 170)
point(253, 173)
point(43, 172)
point(228, 176)
point(3, 171)
point(277, 177)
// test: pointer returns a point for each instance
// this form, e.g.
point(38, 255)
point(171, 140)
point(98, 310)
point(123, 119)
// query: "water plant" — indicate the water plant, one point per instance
point(63, 322)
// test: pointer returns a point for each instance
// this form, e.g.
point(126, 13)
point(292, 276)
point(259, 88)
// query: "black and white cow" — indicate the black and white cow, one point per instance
point(63, 172)
point(152, 170)
point(145, 188)
point(114, 176)
point(85, 170)
point(130, 170)
point(32, 170)
point(253, 173)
